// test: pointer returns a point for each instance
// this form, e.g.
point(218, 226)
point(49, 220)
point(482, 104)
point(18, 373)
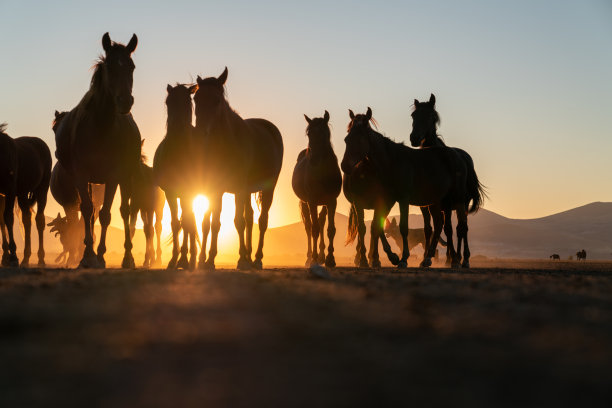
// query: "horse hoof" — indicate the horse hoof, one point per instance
point(257, 264)
point(244, 264)
point(455, 265)
point(321, 258)
point(402, 265)
point(394, 259)
point(128, 262)
point(172, 264)
point(192, 265)
point(363, 264)
point(375, 263)
point(41, 264)
point(209, 265)
point(201, 264)
point(24, 264)
point(319, 271)
point(330, 261)
point(89, 262)
point(183, 262)
point(426, 263)
point(465, 264)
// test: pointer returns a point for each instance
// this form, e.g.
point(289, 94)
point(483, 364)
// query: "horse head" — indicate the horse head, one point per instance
point(357, 140)
point(118, 69)
point(179, 105)
point(425, 121)
point(8, 158)
point(209, 96)
point(318, 131)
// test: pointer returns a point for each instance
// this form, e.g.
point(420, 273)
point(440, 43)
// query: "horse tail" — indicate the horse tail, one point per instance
point(476, 191)
point(258, 199)
point(353, 225)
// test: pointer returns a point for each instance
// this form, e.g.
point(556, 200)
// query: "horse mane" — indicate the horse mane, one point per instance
point(3, 127)
point(94, 85)
point(372, 121)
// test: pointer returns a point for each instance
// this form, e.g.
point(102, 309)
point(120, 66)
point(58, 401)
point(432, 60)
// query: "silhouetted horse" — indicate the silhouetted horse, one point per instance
point(556, 256)
point(25, 169)
point(176, 171)
point(99, 142)
point(364, 188)
point(317, 181)
point(64, 191)
point(581, 255)
point(148, 200)
point(241, 156)
point(425, 120)
point(433, 177)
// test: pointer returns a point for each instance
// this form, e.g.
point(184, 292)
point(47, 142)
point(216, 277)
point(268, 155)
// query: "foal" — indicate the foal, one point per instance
point(317, 182)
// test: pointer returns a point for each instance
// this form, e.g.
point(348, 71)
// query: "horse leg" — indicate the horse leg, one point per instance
point(205, 231)
point(89, 259)
point(451, 256)
point(240, 224)
point(362, 262)
point(193, 244)
point(148, 232)
point(134, 210)
point(376, 230)
point(126, 194)
point(9, 218)
point(426, 229)
point(462, 235)
point(158, 231)
point(314, 232)
point(266, 202)
point(41, 203)
point(305, 213)
point(175, 226)
point(330, 261)
point(105, 218)
point(26, 218)
point(321, 220)
point(216, 205)
point(248, 218)
point(403, 227)
point(5, 251)
point(187, 219)
point(438, 221)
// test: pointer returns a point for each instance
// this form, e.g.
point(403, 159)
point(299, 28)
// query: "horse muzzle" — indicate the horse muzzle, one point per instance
point(124, 104)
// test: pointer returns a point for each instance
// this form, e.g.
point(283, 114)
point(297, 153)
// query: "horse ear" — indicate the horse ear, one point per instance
point(169, 88)
point(131, 47)
point(199, 80)
point(416, 103)
point(326, 116)
point(106, 42)
point(369, 113)
point(193, 88)
point(56, 114)
point(307, 119)
point(432, 99)
point(351, 114)
point(223, 77)
point(59, 215)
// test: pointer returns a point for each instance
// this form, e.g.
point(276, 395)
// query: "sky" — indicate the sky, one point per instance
point(524, 86)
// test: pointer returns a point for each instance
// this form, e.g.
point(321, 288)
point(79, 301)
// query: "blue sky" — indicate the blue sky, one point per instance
point(524, 86)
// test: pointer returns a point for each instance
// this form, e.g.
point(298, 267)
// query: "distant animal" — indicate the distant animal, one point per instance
point(175, 171)
point(433, 177)
point(98, 142)
point(425, 121)
point(317, 182)
point(61, 229)
point(241, 156)
point(25, 170)
point(416, 236)
point(64, 191)
point(555, 256)
point(148, 200)
point(581, 255)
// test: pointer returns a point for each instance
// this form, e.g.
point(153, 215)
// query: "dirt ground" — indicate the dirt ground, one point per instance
point(504, 333)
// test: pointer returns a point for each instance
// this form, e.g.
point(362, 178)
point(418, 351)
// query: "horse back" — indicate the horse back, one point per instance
point(34, 164)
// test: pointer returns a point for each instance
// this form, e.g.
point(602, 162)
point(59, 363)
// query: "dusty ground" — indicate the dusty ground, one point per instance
point(501, 334)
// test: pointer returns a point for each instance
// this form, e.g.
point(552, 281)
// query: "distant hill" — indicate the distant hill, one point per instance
point(490, 235)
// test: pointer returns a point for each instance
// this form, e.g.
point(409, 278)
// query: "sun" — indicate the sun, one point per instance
point(200, 205)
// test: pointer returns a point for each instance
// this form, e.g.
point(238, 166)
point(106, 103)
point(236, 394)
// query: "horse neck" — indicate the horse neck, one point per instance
point(97, 102)
point(320, 150)
point(433, 140)
point(225, 125)
point(179, 124)
point(385, 151)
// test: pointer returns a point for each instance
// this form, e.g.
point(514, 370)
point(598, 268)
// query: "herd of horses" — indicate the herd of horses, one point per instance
point(98, 149)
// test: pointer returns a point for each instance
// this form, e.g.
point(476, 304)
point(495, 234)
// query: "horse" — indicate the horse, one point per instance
point(99, 142)
point(556, 256)
point(175, 171)
point(433, 177)
point(416, 236)
point(364, 189)
point(64, 191)
point(241, 156)
point(317, 182)
point(425, 121)
point(25, 170)
point(581, 255)
point(148, 200)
